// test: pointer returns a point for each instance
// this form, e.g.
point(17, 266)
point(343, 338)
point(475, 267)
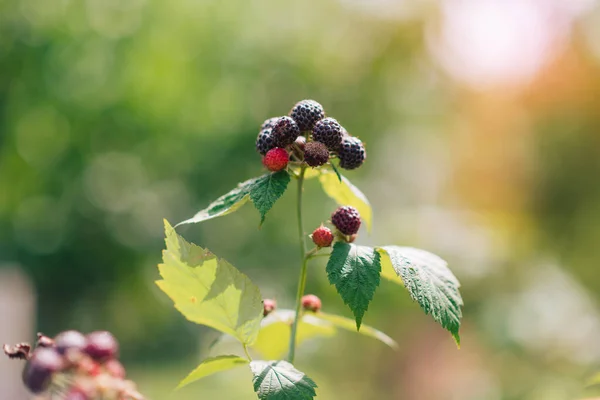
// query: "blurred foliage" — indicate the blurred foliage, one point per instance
point(117, 114)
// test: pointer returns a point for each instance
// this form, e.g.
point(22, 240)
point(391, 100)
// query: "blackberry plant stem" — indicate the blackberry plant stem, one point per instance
point(304, 258)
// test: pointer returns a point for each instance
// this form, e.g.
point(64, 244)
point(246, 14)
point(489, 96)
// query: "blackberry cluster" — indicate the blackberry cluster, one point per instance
point(307, 136)
point(74, 366)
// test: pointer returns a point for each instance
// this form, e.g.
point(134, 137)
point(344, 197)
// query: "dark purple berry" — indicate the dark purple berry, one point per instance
point(37, 374)
point(352, 153)
point(306, 113)
point(285, 131)
point(70, 340)
point(264, 141)
point(316, 154)
point(346, 219)
point(269, 123)
point(329, 132)
point(102, 346)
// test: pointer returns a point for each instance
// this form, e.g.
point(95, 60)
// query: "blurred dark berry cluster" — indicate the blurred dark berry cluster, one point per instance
point(74, 366)
point(306, 135)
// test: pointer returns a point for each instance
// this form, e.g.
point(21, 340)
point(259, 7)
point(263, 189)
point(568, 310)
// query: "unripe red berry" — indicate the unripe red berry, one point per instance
point(70, 340)
point(310, 302)
point(269, 305)
point(322, 236)
point(115, 369)
point(276, 159)
point(346, 219)
point(37, 374)
point(102, 346)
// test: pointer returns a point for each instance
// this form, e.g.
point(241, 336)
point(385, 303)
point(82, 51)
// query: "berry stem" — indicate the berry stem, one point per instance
point(304, 257)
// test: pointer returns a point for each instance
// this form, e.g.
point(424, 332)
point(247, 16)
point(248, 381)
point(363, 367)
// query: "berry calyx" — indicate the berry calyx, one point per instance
point(276, 159)
point(329, 132)
point(306, 113)
point(102, 346)
point(70, 340)
point(352, 153)
point(269, 305)
point(322, 236)
point(310, 302)
point(264, 141)
point(285, 131)
point(346, 219)
point(38, 371)
point(316, 154)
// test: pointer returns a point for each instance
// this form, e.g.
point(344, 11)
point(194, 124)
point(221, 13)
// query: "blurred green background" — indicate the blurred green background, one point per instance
point(482, 124)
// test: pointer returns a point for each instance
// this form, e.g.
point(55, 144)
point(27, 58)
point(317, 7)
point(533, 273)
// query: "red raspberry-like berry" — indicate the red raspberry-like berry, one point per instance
point(102, 346)
point(310, 302)
point(316, 154)
point(269, 305)
point(346, 219)
point(322, 236)
point(276, 159)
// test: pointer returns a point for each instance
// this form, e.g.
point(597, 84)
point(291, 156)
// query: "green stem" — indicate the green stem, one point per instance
point(247, 353)
point(302, 280)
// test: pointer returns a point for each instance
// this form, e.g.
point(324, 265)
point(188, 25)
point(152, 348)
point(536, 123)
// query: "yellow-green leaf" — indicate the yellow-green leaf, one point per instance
point(208, 290)
point(346, 194)
point(350, 325)
point(212, 366)
point(274, 337)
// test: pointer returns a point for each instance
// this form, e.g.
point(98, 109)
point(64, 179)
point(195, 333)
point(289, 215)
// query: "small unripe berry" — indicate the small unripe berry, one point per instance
point(322, 236)
point(70, 340)
point(115, 369)
point(310, 302)
point(102, 346)
point(346, 219)
point(316, 154)
point(276, 159)
point(269, 305)
point(37, 374)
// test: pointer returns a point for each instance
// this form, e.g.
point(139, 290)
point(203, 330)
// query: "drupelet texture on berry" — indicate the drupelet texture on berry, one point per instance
point(329, 132)
point(322, 236)
point(306, 113)
point(264, 141)
point(285, 131)
point(276, 159)
point(315, 154)
point(269, 123)
point(346, 219)
point(352, 153)
point(310, 302)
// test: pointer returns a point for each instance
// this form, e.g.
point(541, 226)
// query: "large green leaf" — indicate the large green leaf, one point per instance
point(264, 192)
point(355, 271)
point(429, 282)
point(267, 190)
point(346, 194)
point(350, 325)
point(212, 366)
point(208, 290)
point(274, 336)
point(279, 380)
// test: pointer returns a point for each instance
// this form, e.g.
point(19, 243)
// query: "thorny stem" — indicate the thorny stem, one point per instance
point(304, 257)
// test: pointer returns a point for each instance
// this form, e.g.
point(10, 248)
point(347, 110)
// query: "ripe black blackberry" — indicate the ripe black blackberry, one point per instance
point(352, 153)
point(329, 132)
point(315, 154)
point(285, 131)
point(264, 141)
point(306, 113)
point(269, 123)
point(346, 219)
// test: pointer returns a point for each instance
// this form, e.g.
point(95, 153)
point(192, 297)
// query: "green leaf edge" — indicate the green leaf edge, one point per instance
point(237, 361)
point(308, 383)
point(366, 330)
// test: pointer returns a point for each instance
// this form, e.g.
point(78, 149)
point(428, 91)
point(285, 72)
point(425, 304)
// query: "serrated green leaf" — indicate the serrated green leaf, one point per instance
point(212, 366)
point(346, 194)
point(208, 290)
point(355, 271)
point(429, 282)
point(267, 190)
point(274, 336)
point(350, 325)
point(279, 380)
